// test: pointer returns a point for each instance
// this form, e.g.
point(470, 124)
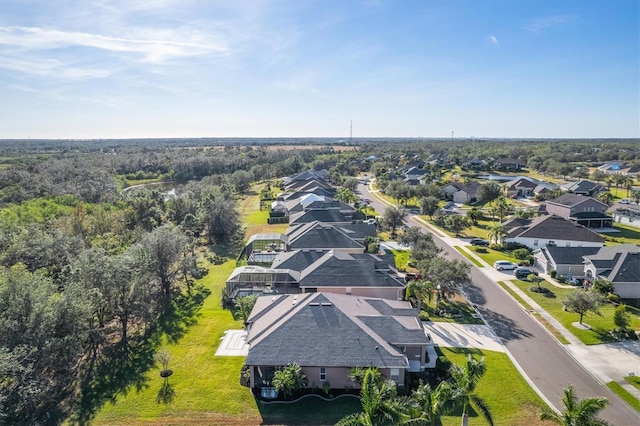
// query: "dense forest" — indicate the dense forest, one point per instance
point(95, 265)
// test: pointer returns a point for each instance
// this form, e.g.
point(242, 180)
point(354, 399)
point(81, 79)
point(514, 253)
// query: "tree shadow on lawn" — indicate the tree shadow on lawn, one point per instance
point(121, 369)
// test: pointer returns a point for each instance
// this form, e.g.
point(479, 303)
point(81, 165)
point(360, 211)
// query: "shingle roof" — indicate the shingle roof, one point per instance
point(618, 263)
point(320, 329)
point(582, 186)
point(327, 216)
point(340, 269)
point(553, 228)
point(297, 259)
point(569, 255)
point(317, 235)
point(521, 183)
point(570, 200)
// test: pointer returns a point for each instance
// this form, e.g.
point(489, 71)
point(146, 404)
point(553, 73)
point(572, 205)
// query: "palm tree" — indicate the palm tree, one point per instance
point(346, 196)
point(420, 289)
point(628, 184)
point(576, 413)
point(466, 379)
point(502, 207)
point(497, 233)
point(380, 406)
point(431, 404)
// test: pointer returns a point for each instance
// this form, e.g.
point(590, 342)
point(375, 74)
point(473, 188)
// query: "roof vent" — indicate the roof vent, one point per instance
point(326, 304)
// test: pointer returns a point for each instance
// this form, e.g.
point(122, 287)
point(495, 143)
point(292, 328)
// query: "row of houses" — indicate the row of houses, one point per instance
point(325, 304)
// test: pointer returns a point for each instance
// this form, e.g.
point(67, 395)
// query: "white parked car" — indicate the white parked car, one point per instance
point(504, 265)
point(625, 201)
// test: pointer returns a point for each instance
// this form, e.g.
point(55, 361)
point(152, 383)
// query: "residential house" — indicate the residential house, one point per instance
point(507, 165)
point(628, 215)
point(563, 260)
point(461, 193)
point(347, 237)
point(583, 187)
point(619, 265)
point(631, 170)
point(321, 215)
point(520, 187)
point(612, 167)
point(327, 335)
point(315, 270)
point(551, 230)
point(307, 175)
point(362, 274)
point(582, 210)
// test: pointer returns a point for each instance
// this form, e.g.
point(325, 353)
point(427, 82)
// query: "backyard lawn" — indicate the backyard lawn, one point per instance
point(600, 325)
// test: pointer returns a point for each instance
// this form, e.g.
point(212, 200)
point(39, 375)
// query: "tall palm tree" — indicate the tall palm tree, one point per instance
point(497, 233)
point(628, 184)
point(420, 289)
point(577, 413)
point(432, 404)
point(466, 379)
point(380, 406)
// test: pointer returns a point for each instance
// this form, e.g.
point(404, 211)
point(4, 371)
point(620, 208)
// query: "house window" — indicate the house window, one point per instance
point(551, 243)
point(395, 374)
point(535, 242)
point(323, 374)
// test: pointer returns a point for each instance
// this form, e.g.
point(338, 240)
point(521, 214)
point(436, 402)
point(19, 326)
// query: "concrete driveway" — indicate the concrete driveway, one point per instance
point(453, 335)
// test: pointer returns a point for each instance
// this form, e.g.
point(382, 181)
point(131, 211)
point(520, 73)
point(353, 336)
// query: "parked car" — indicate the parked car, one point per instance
point(479, 242)
point(521, 273)
point(371, 221)
point(411, 276)
point(504, 265)
point(625, 201)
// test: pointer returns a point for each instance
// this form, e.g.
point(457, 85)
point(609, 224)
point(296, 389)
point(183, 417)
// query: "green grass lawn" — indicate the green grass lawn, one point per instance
point(627, 235)
point(625, 395)
point(515, 404)
point(401, 258)
point(634, 380)
point(600, 325)
point(201, 382)
point(490, 255)
point(542, 320)
point(468, 256)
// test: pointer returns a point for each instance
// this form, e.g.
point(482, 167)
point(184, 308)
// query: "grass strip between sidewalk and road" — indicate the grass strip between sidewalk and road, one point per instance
point(540, 319)
point(634, 380)
point(468, 256)
point(625, 395)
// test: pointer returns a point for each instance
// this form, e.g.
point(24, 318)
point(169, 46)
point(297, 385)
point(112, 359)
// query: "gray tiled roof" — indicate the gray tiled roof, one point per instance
point(583, 186)
point(627, 269)
point(318, 235)
point(345, 270)
point(327, 216)
point(321, 330)
point(297, 259)
point(569, 255)
point(570, 200)
point(554, 228)
point(392, 331)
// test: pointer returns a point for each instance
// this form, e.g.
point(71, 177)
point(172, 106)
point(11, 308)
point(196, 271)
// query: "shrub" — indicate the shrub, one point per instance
point(537, 289)
point(553, 273)
point(603, 287)
point(515, 246)
point(613, 298)
point(481, 250)
point(424, 316)
point(495, 246)
point(560, 279)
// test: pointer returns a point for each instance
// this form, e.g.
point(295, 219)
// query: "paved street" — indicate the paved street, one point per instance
point(545, 363)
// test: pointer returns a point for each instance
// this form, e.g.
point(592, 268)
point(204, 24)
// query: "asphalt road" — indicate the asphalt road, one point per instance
point(544, 361)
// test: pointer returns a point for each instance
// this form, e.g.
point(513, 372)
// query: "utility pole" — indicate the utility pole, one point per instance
point(350, 130)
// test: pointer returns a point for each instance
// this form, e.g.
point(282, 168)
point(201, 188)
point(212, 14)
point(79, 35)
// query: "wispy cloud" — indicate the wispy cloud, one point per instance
point(51, 68)
point(493, 40)
point(539, 24)
point(150, 50)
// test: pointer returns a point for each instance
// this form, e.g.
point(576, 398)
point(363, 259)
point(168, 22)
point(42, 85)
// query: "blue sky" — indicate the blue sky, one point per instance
point(296, 68)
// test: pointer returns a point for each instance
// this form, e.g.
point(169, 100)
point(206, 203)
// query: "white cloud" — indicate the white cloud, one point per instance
point(493, 40)
point(152, 50)
point(539, 24)
point(50, 68)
